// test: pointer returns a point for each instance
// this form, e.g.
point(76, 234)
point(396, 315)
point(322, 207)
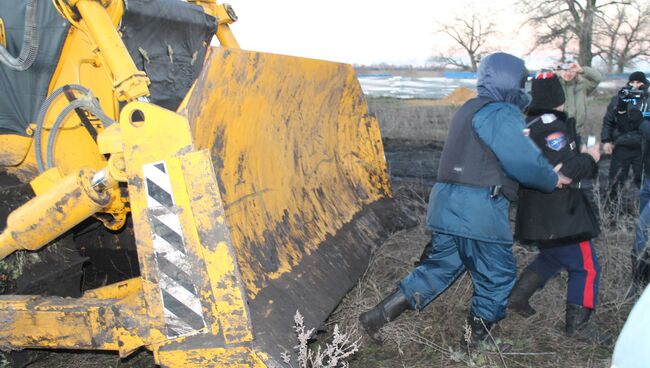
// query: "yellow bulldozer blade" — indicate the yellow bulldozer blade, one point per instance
point(264, 195)
point(300, 166)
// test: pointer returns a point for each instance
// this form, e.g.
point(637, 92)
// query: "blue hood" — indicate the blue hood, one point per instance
point(501, 77)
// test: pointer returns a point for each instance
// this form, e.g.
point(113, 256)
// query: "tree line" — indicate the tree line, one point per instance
point(616, 32)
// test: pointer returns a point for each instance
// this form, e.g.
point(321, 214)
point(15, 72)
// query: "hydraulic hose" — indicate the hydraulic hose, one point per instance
point(90, 104)
point(30, 43)
point(79, 103)
point(38, 132)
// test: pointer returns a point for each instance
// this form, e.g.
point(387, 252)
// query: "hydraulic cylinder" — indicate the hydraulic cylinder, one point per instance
point(50, 214)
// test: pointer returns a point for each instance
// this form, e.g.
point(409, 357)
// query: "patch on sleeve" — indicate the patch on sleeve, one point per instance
point(548, 118)
point(556, 141)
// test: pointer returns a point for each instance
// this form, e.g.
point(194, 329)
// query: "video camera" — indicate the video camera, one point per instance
point(635, 101)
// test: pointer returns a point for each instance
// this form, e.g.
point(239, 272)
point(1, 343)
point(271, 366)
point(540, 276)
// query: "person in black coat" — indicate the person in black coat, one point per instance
point(561, 223)
point(621, 137)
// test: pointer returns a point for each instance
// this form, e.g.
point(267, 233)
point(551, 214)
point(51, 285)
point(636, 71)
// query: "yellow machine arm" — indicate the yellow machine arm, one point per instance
point(225, 15)
point(47, 216)
point(90, 17)
point(189, 284)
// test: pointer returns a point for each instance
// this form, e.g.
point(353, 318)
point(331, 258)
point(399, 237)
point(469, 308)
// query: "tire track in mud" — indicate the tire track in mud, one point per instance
point(413, 164)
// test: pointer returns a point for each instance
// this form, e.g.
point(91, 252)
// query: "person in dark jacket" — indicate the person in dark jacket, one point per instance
point(640, 254)
point(561, 223)
point(621, 137)
point(484, 157)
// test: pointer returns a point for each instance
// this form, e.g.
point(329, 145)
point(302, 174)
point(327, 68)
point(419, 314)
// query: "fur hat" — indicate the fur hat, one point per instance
point(547, 92)
point(638, 77)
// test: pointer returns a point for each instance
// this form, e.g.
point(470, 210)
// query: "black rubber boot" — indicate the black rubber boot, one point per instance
point(527, 284)
point(387, 310)
point(476, 331)
point(578, 326)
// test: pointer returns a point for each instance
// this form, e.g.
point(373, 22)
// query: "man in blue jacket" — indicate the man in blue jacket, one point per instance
point(485, 156)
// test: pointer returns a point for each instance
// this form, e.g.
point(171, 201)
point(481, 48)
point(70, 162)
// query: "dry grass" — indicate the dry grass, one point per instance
point(431, 337)
point(401, 120)
point(423, 121)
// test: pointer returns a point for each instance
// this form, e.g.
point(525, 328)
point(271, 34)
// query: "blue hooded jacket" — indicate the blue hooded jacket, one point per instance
point(470, 212)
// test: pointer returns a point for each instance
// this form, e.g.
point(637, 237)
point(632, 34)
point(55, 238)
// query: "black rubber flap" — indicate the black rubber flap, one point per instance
point(24, 92)
point(168, 40)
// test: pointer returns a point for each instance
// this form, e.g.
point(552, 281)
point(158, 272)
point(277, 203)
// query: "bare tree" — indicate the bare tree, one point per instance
point(623, 35)
point(574, 16)
point(607, 32)
point(471, 34)
point(555, 31)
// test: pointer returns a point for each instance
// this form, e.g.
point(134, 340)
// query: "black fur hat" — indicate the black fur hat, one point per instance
point(639, 77)
point(547, 92)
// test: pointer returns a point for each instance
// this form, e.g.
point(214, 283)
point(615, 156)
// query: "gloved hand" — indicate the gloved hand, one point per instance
point(593, 151)
point(608, 148)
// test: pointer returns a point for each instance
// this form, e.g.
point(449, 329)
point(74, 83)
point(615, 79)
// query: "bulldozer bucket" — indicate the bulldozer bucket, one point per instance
point(300, 168)
point(263, 195)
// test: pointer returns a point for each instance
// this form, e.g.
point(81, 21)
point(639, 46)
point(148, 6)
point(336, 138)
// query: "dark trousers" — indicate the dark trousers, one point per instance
point(580, 260)
point(624, 158)
point(491, 267)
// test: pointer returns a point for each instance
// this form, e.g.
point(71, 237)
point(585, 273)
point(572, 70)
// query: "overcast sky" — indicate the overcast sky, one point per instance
point(365, 31)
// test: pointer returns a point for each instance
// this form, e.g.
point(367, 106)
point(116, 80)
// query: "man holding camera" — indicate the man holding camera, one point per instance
point(621, 136)
point(578, 82)
point(638, 109)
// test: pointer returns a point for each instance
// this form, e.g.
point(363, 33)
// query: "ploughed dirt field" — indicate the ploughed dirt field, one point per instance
point(414, 133)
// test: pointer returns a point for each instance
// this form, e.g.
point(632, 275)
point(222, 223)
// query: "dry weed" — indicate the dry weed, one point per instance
point(334, 354)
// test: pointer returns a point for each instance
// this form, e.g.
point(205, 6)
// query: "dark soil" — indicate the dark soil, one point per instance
point(412, 164)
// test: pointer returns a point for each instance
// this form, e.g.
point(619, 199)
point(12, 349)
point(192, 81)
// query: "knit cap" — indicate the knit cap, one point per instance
point(547, 92)
point(638, 77)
